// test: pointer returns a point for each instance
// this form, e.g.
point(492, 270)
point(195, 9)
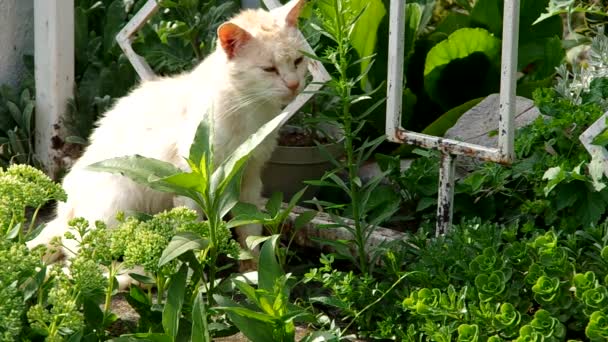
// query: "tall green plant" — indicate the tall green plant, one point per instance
point(214, 187)
point(337, 27)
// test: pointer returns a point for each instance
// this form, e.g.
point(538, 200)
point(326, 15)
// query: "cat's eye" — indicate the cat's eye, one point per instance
point(270, 69)
point(298, 61)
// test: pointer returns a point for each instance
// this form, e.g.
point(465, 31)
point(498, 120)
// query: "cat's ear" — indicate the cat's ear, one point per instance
point(232, 37)
point(291, 12)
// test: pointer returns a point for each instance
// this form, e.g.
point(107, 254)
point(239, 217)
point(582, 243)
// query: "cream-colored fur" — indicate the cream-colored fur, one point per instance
point(160, 117)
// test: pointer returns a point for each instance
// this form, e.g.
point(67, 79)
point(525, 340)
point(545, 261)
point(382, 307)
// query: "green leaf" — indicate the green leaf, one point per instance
point(175, 299)
point(115, 19)
point(466, 51)
point(93, 314)
point(181, 243)
point(200, 330)
point(255, 330)
point(364, 34)
point(304, 218)
point(142, 170)
point(203, 141)
point(269, 270)
point(273, 206)
point(224, 174)
point(449, 118)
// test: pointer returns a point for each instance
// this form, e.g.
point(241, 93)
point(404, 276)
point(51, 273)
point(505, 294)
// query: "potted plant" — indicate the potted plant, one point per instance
point(304, 146)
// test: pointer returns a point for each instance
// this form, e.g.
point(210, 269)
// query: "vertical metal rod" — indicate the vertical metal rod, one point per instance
point(510, 39)
point(445, 202)
point(396, 50)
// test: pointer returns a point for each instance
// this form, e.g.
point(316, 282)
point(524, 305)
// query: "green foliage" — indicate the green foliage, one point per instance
point(17, 124)
point(269, 316)
point(480, 282)
point(23, 187)
point(336, 28)
point(459, 79)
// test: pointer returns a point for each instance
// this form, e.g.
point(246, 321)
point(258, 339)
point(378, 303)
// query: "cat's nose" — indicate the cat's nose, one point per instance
point(293, 85)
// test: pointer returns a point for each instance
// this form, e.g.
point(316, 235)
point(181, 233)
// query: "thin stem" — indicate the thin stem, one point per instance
point(111, 274)
point(160, 289)
point(34, 217)
point(377, 300)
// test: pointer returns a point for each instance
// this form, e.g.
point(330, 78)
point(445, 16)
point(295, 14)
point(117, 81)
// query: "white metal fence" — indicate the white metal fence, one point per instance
point(449, 148)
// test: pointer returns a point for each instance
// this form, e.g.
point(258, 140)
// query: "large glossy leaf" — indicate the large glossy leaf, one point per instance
point(462, 67)
point(256, 330)
point(269, 269)
point(175, 300)
point(181, 243)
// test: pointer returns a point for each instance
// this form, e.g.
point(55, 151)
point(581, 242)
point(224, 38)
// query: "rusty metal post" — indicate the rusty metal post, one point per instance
point(508, 79)
point(445, 201)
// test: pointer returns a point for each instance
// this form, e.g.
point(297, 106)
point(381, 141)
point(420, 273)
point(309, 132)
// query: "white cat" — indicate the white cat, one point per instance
point(256, 69)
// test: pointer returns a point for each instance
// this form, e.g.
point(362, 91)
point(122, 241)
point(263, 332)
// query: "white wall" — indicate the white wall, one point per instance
point(16, 38)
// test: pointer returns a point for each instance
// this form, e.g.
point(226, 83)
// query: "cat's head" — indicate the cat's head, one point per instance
point(263, 52)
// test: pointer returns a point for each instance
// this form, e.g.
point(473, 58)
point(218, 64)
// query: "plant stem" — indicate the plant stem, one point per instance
point(111, 274)
point(377, 300)
point(160, 289)
point(34, 217)
point(347, 119)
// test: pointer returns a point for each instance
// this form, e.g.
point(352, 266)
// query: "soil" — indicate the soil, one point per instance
point(300, 139)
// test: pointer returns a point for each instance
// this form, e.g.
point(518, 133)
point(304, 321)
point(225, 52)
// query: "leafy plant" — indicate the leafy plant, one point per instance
point(269, 315)
point(17, 125)
point(337, 28)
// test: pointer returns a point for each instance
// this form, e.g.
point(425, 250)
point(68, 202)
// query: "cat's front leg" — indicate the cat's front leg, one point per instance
point(251, 192)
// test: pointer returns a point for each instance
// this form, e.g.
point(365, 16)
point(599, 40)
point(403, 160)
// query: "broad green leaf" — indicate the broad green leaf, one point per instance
point(175, 299)
point(184, 180)
point(273, 206)
point(144, 279)
point(229, 193)
point(248, 291)
point(255, 330)
point(246, 213)
point(461, 44)
point(468, 50)
point(203, 141)
point(269, 269)
point(200, 330)
point(181, 243)
point(142, 170)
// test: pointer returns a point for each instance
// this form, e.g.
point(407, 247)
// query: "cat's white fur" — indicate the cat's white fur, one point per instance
point(160, 117)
